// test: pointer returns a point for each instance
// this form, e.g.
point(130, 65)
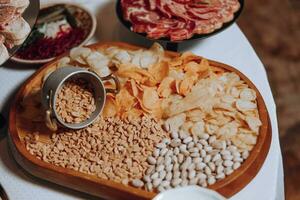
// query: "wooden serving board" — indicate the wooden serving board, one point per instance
point(20, 126)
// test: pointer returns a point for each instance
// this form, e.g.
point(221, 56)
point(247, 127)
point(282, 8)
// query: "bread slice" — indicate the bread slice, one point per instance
point(4, 55)
point(17, 29)
point(20, 5)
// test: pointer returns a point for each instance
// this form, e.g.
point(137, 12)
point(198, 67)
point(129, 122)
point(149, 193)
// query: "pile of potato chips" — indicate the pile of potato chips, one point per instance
point(185, 91)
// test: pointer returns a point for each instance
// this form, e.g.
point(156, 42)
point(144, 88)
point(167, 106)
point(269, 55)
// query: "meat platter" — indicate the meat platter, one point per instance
point(174, 25)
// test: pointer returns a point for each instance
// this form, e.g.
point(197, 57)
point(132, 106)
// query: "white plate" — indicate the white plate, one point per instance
point(88, 37)
point(189, 193)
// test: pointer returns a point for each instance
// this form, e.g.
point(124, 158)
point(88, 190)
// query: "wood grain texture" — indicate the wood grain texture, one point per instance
point(18, 128)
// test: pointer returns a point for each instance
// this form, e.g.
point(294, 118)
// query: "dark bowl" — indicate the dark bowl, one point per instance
point(127, 24)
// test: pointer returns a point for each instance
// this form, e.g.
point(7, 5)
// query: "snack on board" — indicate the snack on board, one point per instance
point(178, 19)
point(13, 27)
point(204, 121)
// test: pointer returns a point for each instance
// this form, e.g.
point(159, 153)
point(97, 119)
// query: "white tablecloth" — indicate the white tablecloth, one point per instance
point(230, 47)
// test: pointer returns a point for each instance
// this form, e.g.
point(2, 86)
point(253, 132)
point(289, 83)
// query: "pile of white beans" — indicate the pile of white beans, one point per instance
point(184, 160)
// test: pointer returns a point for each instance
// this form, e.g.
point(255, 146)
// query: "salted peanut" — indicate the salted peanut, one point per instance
point(110, 148)
point(75, 101)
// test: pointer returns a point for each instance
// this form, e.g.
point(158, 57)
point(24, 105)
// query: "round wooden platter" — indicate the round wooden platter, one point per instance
point(21, 124)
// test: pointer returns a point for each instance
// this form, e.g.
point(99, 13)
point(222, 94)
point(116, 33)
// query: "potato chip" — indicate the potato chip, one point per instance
point(150, 98)
point(165, 87)
point(63, 62)
point(228, 131)
point(244, 105)
point(134, 88)
point(176, 121)
point(248, 94)
point(159, 71)
point(110, 109)
point(79, 54)
point(186, 127)
point(189, 56)
point(198, 128)
point(191, 67)
point(124, 100)
point(122, 57)
point(254, 123)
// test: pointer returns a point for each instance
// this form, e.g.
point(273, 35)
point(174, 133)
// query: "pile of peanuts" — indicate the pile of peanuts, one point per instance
point(110, 148)
point(190, 160)
point(75, 101)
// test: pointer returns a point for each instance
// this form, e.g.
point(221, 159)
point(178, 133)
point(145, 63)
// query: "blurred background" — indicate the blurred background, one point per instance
point(273, 28)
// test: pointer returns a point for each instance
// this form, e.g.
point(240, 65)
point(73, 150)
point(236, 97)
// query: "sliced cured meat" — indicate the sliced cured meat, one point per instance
point(178, 19)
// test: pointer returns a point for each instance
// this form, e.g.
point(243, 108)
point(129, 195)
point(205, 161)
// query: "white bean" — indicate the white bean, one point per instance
point(166, 141)
point(156, 153)
point(236, 165)
point(197, 160)
point(216, 157)
point(160, 168)
point(187, 140)
point(192, 174)
point(201, 176)
point(174, 135)
point(163, 151)
point(193, 181)
point(194, 155)
point(220, 169)
point(211, 180)
point(147, 178)
point(191, 166)
point(176, 174)
point(182, 147)
point(184, 183)
point(200, 166)
point(245, 154)
point(207, 170)
point(225, 152)
point(207, 158)
point(161, 145)
point(180, 158)
point(228, 163)
point(165, 183)
point(204, 136)
point(149, 186)
point(176, 151)
point(137, 183)
point(227, 157)
point(203, 142)
point(208, 148)
point(212, 139)
point(156, 182)
point(190, 145)
point(155, 175)
point(199, 146)
point(175, 142)
point(238, 159)
point(228, 171)
point(169, 176)
point(212, 166)
point(202, 153)
point(220, 176)
point(176, 182)
point(161, 189)
point(162, 174)
point(151, 160)
point(169, 167)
